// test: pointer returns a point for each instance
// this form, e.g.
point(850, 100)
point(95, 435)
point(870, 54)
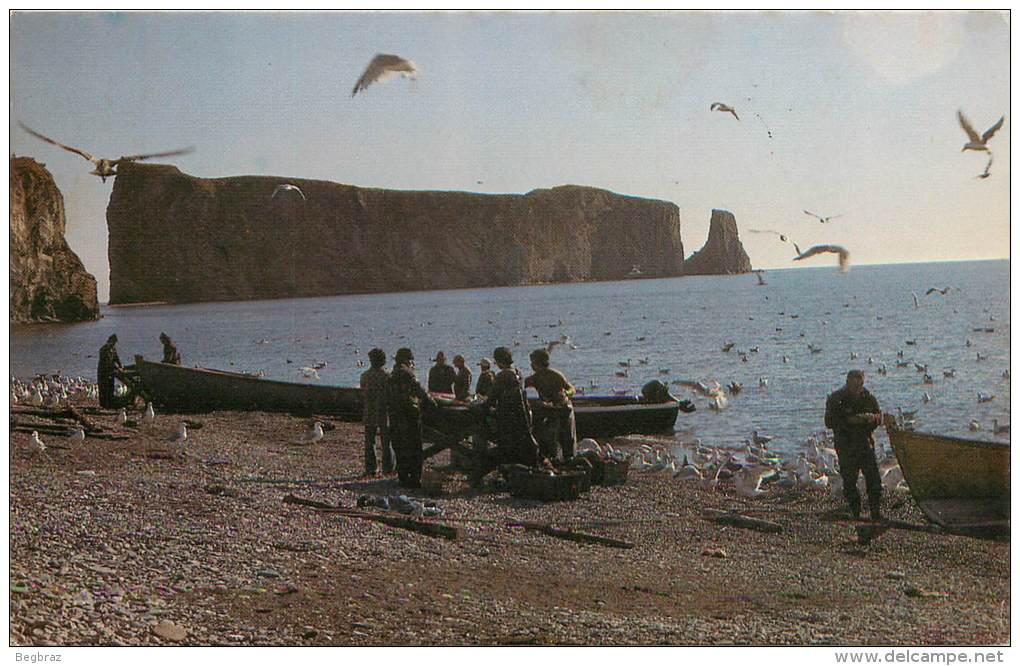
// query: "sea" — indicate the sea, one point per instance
point(664, 329)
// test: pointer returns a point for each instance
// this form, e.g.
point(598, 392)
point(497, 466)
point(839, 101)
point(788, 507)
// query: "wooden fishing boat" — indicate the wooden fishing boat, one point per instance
point(960, 484)
point(200, 389)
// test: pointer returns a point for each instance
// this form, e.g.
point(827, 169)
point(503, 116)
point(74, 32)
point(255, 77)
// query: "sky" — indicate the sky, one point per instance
point(861, 107)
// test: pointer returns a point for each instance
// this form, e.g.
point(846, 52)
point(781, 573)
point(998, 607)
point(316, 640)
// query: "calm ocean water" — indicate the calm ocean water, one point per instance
point(678, 324)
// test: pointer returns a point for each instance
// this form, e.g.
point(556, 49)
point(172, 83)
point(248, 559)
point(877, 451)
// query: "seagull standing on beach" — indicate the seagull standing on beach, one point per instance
point(382, 68)
point(150, 413)
point(78, 434)
point(844, 255)
point(975, 142)
point(122, 416)
point(287, 187)
point(181, 435)
point(104, 168)
point(312, 435)
point(724, 108)
point(35, 445)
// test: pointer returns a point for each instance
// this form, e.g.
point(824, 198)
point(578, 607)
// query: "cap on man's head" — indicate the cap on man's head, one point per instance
point(485, 363)
point(403, 355)
point(112, 338)
point(503, 355)
point(855, 374)
point(440, 356)
point(377, 357)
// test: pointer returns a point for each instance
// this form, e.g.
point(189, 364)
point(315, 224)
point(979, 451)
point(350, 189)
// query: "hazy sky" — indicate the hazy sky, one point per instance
point(862, 108)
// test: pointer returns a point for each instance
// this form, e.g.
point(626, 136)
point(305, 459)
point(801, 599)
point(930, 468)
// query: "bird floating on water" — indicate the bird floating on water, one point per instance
point(723, 108)
point(105, 168)
point(975, 142)
point(844, 255)
point(287, 188)
point(384, 67)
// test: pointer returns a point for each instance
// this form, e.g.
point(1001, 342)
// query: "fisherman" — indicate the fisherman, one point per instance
point(852, 413)
point(404, 400)
point(109, 367)
point(170, 353)
point(441, 376)
point(374, 417)
point(555, 429)
point(485, 379)
point(462, 382)
point(514, 441)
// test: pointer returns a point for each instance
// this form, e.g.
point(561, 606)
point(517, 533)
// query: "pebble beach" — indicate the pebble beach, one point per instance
point(114, 542)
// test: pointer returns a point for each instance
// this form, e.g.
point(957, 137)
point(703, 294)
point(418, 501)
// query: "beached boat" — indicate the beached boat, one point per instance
point(960, 484)
point(197, 389)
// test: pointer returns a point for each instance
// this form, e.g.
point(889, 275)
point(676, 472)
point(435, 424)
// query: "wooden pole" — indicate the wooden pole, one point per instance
point(737, 520)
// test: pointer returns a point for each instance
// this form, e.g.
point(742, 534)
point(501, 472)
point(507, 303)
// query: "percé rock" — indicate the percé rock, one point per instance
point(722, 253)
point(178, 238)
point(48, 280)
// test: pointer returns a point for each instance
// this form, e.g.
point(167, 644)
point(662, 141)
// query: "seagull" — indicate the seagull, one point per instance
point(150, 413)
point(760, 440)
point(104, 168)
point(312, 435)
point(35, 445)
point(976, 142)
point(78, 434)
point(985, 397)
point(122, 416)
point(748, 481)
point(37, 399)
point(933, 290)
point(1000, 429)
point(949, 373)
point(974, 425)
point(724, 108)
point(382, 68)
point(821, 219)
point(916, 303)
point(287, 187)
point(761, 280)
point(844, 255)
point(926, 398)
point(688, 472)
point(181, 435)
point(309, 372)
point(783, 237)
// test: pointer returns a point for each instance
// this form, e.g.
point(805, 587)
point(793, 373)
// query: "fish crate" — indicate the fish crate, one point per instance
point(605, 472)
point(579, 464)
point(528, 483)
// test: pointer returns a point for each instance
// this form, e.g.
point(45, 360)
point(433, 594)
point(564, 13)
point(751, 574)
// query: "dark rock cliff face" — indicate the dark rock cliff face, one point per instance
point(48, 280)
point(723, 253)
point(177, 238)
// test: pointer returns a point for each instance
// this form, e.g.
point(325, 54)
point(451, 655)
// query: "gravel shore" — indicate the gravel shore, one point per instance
point(110, 546)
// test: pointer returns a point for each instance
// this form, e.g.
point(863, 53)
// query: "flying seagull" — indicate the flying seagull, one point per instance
point(724, 108)
point(821, 219)
point(287, 187)
point(933, 290)
point(844, 255)
point(976, 142)
point(104, 168)
point(382, 68)
point(782, 237)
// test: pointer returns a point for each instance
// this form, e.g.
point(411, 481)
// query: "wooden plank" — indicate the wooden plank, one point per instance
point(735, 519)
point(421, 527)
point(570, 535)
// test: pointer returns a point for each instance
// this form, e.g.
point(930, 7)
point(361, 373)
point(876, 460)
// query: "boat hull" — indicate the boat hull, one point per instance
point(199, 389)
point(960, 484)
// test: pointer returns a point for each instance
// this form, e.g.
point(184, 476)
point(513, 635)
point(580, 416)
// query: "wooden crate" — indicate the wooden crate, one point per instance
point(528, 483)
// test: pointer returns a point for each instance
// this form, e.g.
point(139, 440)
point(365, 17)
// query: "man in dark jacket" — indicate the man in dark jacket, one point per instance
point(485, 379)
point(462, 381)
point(441, 376)
point(852, 413)
point(109, 366)
point(374, 416)
point(404, 399)
point(170, 353)
point(555, 428)
point(514, 441)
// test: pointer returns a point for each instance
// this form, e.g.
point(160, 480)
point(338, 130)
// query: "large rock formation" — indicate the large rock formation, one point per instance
point(177, 238)
point(48, 280)
point(722, 253)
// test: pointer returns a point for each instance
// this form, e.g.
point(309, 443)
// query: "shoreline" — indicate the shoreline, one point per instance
point(116, 542)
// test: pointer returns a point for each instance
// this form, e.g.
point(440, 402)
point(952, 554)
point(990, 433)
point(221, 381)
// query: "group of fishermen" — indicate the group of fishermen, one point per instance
point(394, 403)
point(110, 368)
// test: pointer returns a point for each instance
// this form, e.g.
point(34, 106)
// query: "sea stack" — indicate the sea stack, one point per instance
point(177, 238)
point(722, 254)
point(49, 283)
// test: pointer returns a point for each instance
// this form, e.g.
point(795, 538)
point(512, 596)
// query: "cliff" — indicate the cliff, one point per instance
point(178, 238)
point(48, 280)
point(722, 254)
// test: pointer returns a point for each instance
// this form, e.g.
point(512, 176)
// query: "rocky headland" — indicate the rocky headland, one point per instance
point(722, 254)
point(48, 280)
